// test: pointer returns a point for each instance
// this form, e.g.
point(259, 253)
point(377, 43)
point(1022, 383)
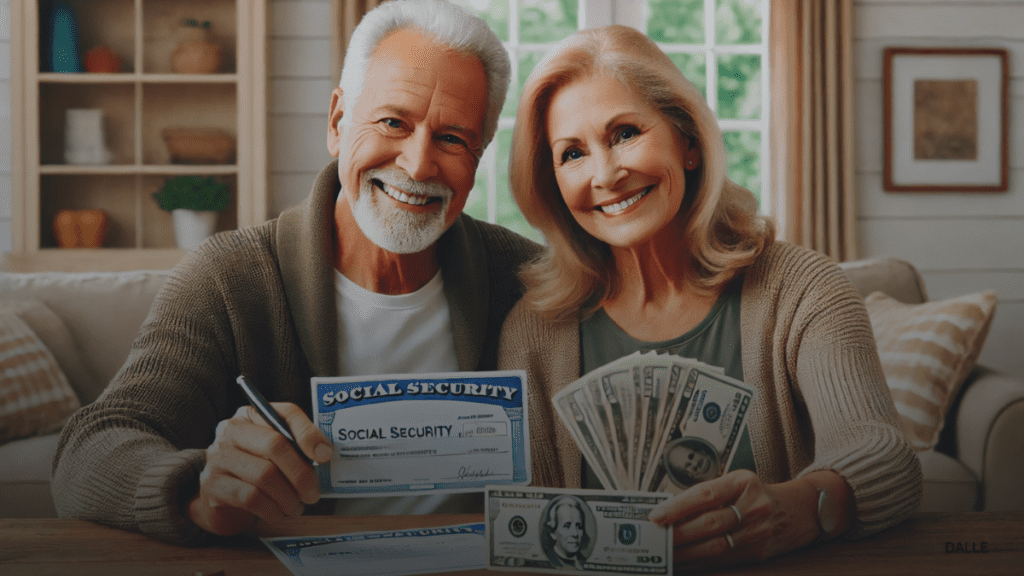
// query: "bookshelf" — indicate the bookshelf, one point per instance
point(138, 103)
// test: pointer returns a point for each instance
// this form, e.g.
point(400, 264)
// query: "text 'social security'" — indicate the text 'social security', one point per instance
point(419, 388)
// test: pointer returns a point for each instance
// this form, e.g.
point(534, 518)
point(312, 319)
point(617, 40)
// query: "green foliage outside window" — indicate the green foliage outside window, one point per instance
point(743, 155)
point(694, 67)
point(494, 12)
point(509, 214)
point(543, 21)
point(676, 21)
point(738, 22)
point(739, 87)
point(527, 62)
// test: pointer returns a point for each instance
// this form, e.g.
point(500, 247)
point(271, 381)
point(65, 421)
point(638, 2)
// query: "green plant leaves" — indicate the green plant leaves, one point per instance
point(193, 193)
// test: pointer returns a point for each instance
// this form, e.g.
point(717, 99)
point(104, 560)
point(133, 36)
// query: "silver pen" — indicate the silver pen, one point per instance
point(257, 401)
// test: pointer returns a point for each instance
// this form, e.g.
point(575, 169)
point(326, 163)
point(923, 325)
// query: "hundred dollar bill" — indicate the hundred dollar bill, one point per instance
point(583, 531)
point(676, 400)
point(703, 443)
point(621, 381)
point(655, 376)
point(582, 431)
point(598, 405)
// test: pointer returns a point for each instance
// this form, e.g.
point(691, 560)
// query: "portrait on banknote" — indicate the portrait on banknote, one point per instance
point(566, 533)
point(689, 460)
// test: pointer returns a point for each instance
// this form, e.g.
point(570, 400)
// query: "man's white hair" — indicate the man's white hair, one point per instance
point(444, 23)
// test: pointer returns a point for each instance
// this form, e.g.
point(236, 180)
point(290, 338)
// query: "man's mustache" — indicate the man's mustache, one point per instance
point(402, 181)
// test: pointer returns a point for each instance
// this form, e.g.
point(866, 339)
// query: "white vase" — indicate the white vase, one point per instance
point(191, 227)
point(83, 137)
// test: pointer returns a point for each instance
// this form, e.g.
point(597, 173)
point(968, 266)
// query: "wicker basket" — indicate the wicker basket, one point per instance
point(200, 145)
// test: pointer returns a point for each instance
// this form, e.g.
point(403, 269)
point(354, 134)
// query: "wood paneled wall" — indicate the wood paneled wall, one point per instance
point(961, 242)
point(301, 81)
point(5, 125)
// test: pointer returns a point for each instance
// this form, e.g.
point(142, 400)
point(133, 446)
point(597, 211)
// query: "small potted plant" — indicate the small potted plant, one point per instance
point(194, 202)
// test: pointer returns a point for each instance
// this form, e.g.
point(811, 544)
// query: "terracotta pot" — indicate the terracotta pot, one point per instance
point(197, 53)
point(101, 59)
point(80, 228)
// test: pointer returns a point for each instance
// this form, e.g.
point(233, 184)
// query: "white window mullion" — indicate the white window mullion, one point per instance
point(513, 23)
point(711, 56)
point(741, 125)
point(596, 13)
point(628, 13)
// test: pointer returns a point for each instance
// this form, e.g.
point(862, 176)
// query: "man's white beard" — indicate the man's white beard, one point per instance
point(392, 228)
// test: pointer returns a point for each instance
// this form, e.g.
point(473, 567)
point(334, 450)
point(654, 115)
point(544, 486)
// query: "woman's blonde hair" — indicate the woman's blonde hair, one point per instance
point(576, 272)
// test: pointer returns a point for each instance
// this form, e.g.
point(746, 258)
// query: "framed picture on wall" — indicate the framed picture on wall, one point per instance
point(946, 114)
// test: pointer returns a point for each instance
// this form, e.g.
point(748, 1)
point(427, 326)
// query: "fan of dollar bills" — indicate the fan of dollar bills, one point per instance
point(655, 422)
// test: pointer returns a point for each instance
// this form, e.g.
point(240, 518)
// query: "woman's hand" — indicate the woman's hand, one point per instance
point(253, 472)
point(737, 518)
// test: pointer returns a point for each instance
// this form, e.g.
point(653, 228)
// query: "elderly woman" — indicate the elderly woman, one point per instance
point(620, 163)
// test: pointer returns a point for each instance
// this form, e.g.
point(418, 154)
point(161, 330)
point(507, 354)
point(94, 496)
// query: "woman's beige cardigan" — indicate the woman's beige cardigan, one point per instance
point(809, 352)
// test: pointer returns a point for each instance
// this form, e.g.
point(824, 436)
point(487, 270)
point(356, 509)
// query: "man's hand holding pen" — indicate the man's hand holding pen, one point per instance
point(253, 471)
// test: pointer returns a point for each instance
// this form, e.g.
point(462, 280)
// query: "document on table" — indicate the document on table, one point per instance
point(423, 433)
point(389, 553)
point(585, 531)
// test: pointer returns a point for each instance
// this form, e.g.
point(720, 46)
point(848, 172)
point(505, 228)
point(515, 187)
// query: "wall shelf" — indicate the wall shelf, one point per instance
point(137, 104)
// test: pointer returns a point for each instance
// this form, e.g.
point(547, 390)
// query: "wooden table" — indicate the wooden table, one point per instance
point(930, 544)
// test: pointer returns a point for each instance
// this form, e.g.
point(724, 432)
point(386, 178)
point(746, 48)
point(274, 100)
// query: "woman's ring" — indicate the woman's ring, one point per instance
point(728, 539)
point(739, 517)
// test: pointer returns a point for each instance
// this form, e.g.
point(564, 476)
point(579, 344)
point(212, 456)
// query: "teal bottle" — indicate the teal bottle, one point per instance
point(64, 44)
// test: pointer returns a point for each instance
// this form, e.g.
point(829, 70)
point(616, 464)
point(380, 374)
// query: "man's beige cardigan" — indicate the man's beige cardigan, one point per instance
point(808, 350)
point(259, 301)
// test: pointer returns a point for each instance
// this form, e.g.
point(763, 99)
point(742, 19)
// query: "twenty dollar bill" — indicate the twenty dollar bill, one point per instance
point(585, 531)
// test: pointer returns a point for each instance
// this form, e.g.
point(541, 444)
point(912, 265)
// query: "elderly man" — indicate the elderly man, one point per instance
point(377, 271)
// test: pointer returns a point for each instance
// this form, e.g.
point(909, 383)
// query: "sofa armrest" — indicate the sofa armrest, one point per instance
point(989, 423)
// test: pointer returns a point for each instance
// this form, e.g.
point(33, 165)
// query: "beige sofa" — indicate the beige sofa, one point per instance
point(979, 463)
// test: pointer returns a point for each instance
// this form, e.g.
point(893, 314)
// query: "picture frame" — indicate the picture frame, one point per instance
point(946, 119)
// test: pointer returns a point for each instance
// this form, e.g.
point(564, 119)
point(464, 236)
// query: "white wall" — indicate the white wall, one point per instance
point(960, 242)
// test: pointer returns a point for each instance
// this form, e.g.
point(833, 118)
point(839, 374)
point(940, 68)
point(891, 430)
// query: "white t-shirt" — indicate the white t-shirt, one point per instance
point(400, 334)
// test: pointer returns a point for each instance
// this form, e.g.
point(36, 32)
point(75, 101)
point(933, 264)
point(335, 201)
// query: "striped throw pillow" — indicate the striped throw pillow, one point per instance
point(35, 396)
point(927, 352)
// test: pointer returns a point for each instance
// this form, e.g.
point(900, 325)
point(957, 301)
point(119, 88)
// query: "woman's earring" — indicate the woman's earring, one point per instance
point(689, 163)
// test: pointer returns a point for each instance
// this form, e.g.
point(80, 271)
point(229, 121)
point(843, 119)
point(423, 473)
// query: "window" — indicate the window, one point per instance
point(720, 45)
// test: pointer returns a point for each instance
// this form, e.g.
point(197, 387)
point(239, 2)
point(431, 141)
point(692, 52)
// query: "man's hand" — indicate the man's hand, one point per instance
point(253, 472)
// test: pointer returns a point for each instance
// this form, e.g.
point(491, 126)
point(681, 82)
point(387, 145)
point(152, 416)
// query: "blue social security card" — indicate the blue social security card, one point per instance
point(441, 433)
